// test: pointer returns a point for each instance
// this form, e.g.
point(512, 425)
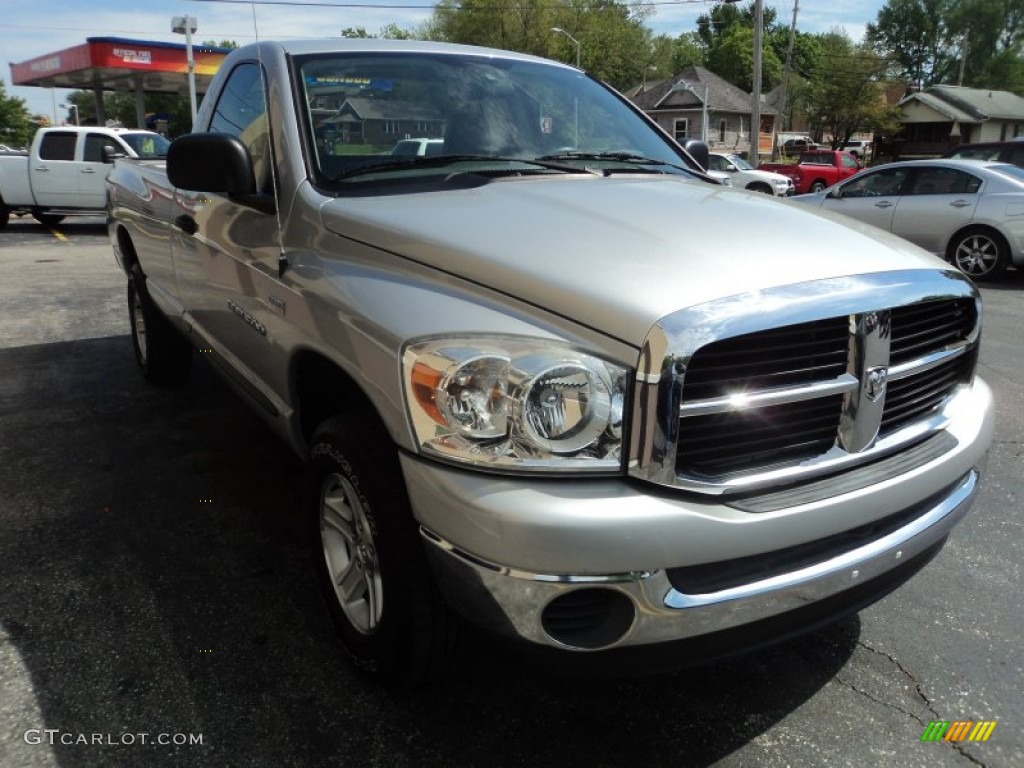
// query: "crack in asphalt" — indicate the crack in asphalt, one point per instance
point(956, 746)
point(917, 686)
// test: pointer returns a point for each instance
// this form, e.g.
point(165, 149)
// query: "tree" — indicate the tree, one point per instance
point(845, 94)
point(16, 127)
point(915, 34)
point(989, 36)
point(614, 44)
point(688, 50)
point(733, 59)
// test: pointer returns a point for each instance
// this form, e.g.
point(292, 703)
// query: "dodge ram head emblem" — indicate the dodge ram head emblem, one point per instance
point(876, 378)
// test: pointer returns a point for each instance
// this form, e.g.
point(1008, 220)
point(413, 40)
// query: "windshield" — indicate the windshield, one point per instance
point(382, 116)
point(740, 163)
point(147, 145)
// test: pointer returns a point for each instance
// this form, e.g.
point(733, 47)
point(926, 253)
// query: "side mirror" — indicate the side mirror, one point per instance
point(835, 193)
point(699, 151)
point(110, 153)
point(211, 162)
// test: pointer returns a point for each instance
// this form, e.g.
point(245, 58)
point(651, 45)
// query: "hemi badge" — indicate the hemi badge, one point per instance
point(276, 303)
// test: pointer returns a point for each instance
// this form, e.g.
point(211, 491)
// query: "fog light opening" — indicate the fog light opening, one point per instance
point(589, 618)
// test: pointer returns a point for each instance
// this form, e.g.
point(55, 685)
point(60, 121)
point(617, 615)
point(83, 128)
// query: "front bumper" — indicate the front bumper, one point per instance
point(604, 564)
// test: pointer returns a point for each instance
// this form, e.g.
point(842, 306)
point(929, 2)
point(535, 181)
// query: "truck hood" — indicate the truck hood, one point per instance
point(618, 253)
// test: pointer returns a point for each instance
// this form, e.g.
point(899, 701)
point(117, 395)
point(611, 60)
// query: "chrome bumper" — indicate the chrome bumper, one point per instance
point(514, 601)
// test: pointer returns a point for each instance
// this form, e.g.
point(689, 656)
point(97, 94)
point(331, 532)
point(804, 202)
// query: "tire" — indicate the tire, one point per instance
point(47, 219)
point(5, 216)
point(761, 188)
point(979, 253)
point(163, 355)
point(817, 186)
point(369, 557)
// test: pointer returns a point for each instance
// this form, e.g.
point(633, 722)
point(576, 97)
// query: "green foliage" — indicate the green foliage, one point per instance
point(733, 58)
point(16, 128)
point(614, 44)
point(687, 51)
point(844, 94)
point(927, 41)
point(120, 106)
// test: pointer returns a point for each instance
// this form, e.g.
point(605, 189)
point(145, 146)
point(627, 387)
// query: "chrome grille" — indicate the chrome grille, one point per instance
point(755, 405)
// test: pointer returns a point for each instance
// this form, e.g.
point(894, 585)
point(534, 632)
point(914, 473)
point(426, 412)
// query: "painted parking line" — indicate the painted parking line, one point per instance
point(59, 235)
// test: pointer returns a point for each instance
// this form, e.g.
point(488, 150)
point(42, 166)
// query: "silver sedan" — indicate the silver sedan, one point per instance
point(969, 212)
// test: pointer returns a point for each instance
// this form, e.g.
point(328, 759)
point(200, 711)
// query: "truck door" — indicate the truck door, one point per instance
point(226, 254)
point(92, 171)
point(53, 170)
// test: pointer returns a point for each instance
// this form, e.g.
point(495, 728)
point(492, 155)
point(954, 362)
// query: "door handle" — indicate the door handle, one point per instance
point(42, 168)
point(186, 224)
point(88, 170)
point(883, 204)
point(960, 204)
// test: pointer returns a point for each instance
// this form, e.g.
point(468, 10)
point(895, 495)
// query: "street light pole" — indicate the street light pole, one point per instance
point(574, 41)
point(186, 25)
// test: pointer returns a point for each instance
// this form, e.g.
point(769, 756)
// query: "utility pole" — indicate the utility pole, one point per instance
point(755, 98)
point(963, 58)
point(786, 69)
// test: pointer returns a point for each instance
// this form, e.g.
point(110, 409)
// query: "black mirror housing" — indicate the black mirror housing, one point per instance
point(211, 162)
point(699, 151)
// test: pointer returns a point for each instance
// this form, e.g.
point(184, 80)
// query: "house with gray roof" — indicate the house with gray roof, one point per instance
point(944, 115)
point(678, 105)
point(380, 122)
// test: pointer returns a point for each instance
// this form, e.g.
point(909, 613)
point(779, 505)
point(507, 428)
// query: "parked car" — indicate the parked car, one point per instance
point(817, 169)
point(743, 175)
point(858, 148)
point(418, 147)
point(995, 151)
point(793, 147)
point(970, 212)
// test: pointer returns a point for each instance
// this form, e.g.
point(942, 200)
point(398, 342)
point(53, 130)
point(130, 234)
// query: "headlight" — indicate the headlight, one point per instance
point(515, 404)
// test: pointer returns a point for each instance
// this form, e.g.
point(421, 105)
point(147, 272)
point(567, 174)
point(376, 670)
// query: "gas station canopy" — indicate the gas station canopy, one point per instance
point(118, 64)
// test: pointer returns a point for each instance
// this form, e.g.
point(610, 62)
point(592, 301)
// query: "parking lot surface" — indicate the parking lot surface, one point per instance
point(156, 606)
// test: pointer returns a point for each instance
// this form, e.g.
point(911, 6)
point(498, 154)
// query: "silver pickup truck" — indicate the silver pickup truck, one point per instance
point(551, 379)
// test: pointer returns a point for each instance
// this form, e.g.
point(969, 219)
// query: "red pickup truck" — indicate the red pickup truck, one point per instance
point(817, 169)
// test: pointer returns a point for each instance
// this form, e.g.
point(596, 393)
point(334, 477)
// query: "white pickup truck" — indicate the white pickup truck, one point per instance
point(64, 170)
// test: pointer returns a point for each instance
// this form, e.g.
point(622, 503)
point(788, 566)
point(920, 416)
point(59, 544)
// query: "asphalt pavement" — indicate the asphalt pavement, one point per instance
point(156, 607)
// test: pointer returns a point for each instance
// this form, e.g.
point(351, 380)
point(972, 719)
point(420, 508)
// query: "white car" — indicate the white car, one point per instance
point(970, 212)
point(745, 176)
point(418, 147)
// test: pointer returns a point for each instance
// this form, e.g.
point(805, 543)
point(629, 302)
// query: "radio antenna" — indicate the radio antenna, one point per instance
point(282, 258)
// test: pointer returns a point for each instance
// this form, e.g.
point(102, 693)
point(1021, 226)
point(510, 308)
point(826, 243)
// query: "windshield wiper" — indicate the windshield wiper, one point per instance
point(624, 156)
point(440, 161)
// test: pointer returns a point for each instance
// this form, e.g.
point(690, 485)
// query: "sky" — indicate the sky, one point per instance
point(31, 28)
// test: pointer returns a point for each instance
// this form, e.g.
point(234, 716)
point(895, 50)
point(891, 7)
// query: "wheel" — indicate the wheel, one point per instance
point(5, 216)
point(163, 355)
point(761, 188)
point(47, 219)
point(817, 186)
point(980, 254)
point(369, 557)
